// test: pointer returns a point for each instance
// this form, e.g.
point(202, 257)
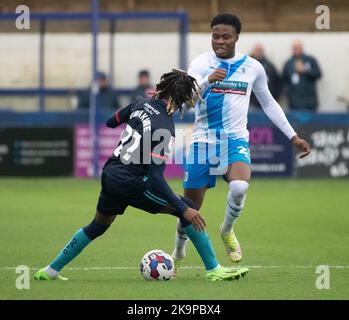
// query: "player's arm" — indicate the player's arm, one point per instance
point(197, 68)
point(156, 174)
point(121, 116)
point(275, 113)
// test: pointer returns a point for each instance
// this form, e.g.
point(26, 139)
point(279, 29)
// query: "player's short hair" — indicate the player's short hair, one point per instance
point(143, 73)
point(178, 87)
point(228, 19)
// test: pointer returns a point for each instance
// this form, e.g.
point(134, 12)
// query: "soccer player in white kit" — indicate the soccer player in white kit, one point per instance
point(226, 78)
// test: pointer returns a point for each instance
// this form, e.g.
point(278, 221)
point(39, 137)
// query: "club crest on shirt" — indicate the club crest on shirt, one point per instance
point(232, 87)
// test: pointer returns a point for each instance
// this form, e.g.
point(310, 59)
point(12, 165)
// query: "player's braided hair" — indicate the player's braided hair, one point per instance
point(178, 87)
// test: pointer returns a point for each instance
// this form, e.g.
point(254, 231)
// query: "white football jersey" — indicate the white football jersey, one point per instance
point(225, 103)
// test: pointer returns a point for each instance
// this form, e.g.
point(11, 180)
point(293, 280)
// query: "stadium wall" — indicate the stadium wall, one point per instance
point(68, 58)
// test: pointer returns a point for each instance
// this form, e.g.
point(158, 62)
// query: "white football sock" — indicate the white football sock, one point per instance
point(235, 203)
point(51, 272)
point(180, 242)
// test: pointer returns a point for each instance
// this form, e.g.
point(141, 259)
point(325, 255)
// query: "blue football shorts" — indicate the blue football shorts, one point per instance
point(206, 161)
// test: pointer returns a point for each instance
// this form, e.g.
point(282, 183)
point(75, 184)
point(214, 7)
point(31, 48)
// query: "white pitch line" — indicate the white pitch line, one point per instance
point(186, 267)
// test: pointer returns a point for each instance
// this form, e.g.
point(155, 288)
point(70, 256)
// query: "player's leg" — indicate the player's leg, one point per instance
point(181, 239)
point(203, 245)
point(107, 209)
point(75, 245)
point(197, 180)
point(238, 177)
point(148, 199)
point(196, 195)
point(200, 240)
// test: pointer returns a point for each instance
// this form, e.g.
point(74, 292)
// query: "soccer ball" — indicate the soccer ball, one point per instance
point(157, 265)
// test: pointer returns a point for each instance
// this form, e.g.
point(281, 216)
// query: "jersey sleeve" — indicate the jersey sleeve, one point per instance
point(156, 174)
point(158, 156)
point(270, 106)
point(197, 69)
point(121, 116)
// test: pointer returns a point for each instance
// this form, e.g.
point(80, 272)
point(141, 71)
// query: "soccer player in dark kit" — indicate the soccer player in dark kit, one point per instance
point(133, 176)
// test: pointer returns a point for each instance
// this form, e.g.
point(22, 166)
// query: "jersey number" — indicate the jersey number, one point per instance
point(244, 151)
point(132, 146)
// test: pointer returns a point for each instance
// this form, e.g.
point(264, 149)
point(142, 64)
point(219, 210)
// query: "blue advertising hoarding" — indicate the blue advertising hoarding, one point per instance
point(271, 152)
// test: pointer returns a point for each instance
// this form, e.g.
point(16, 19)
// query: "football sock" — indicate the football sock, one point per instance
point(231, 215)
point(235, 203)
point(51, 272)
point(181, 238)
point(180, 242)
point(79, 241)
point(204, 247)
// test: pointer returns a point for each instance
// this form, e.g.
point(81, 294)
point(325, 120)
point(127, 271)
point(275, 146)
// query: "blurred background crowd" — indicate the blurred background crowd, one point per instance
point(297, 81)
point(71, 63)
point(306, 66)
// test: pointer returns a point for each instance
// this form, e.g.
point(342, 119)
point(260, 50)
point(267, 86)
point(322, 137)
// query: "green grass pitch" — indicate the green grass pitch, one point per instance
point(288, 227)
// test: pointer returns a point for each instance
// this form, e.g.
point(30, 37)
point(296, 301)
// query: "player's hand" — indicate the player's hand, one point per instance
point(301, 145)
point(217, 75)
point(195, 219)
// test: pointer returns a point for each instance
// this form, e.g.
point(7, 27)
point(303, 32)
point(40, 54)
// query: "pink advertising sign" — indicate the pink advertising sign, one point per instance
point(108, 140)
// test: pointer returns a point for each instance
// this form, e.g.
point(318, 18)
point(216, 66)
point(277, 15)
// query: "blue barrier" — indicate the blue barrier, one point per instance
point(58, 119)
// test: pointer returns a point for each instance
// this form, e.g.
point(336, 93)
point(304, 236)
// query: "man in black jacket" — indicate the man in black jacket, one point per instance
point(107, 98)
point(144, 88)
point(300, 75)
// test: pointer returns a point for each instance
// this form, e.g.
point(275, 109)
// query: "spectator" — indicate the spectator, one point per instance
point(300, 74)
point(144, 88)
point(107, 97)
point(274, 79)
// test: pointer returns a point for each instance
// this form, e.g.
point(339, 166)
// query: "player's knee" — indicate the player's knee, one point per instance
point(237, 192)
point(95, 229)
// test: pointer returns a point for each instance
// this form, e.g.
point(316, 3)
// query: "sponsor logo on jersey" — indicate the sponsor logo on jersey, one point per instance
point(149, 108)
point(232, 87)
